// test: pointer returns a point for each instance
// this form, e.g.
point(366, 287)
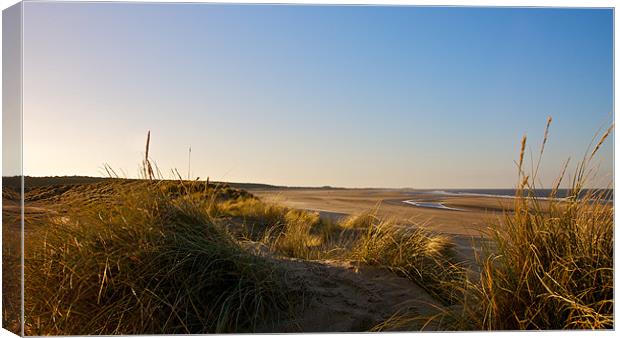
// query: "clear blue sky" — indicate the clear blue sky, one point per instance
point(313, 95)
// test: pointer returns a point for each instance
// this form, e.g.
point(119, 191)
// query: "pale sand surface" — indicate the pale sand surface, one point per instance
point(347, 297)
point(477, 212)
point(464, 227)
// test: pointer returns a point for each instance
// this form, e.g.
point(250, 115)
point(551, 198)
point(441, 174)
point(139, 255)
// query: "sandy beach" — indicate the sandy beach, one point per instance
point(462, 218)
point(472, 214)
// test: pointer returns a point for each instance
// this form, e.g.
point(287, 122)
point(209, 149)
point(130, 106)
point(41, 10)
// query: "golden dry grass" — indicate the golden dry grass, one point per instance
point(153, 262)
point(415, 253)
point(550, 264)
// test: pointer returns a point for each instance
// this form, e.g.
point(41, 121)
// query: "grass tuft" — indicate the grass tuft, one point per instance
point(551, 263)
point(364, 220)
point(412, 252)
point(152, 263)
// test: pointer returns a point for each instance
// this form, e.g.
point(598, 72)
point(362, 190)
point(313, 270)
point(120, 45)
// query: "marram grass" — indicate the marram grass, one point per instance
point(147, 264)
point(412, 252)
point(549, 265)
point(552, 265)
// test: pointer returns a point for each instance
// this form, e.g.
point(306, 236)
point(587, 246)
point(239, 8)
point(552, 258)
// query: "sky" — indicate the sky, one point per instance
point(349, 96)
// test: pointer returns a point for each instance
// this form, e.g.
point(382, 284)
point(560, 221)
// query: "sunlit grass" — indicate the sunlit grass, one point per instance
point(152, 263)
point(552, 265)
point(415, 253)
point(549, 264)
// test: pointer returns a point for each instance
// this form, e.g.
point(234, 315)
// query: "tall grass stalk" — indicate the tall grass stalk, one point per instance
point(552, 263)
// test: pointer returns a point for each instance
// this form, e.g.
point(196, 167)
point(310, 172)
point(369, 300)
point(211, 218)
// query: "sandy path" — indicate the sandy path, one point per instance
point(345, 297)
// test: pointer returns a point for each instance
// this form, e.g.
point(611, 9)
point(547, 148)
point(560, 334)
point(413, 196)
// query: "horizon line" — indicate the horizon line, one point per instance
point(327, 186)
